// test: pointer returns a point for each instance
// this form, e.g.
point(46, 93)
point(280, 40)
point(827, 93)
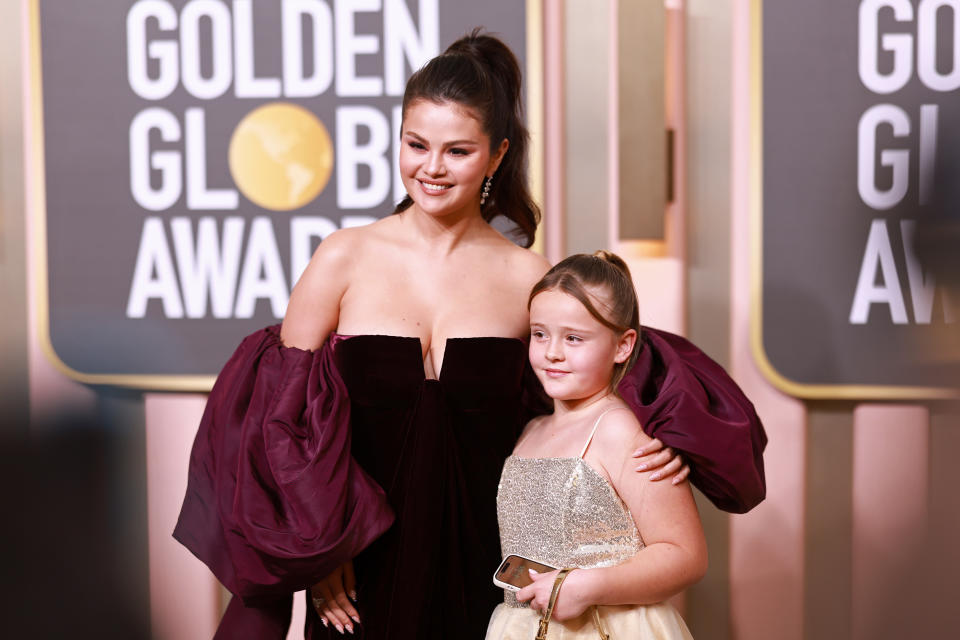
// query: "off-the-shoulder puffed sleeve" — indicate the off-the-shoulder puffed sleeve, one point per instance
point(274, 499)
point(690, 403)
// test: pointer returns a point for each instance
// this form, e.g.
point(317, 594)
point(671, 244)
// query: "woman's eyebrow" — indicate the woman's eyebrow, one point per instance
point(452, 143)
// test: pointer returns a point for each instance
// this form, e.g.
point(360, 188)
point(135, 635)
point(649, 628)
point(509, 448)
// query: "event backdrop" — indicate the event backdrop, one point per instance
point(195, 152)
point(859, 128)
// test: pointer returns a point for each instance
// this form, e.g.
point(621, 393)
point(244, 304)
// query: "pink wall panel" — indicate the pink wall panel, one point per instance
point(891, 449)
point(766, 556)
point(184, 596)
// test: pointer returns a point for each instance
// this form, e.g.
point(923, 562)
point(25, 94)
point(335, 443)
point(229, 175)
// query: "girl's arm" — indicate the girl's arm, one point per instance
point(675, 555)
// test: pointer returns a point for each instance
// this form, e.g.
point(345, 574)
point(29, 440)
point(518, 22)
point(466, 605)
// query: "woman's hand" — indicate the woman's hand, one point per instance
point(665, 460)
point(571, 601)
point(330, 598)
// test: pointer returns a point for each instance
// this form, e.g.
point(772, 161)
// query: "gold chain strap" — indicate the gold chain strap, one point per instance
point(548, 612)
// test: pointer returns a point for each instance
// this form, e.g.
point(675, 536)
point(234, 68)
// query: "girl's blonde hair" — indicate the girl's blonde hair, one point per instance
point(605, 278)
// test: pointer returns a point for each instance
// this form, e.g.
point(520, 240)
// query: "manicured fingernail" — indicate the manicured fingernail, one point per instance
point(339, 627)
point(350, 628)
point(655, 476)
point(642, 467)
point(534, 572)
point(356, 619)
point(353, 595)
point(325, 623)
point(676, 481)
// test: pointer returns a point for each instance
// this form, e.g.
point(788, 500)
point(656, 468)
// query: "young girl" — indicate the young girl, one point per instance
point(568, 496)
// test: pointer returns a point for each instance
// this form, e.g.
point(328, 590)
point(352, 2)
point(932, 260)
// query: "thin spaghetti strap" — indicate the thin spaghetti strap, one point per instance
point(594, 430)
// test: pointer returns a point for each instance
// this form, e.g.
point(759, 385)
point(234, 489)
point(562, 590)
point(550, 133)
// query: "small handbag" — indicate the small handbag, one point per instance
point(545, 618)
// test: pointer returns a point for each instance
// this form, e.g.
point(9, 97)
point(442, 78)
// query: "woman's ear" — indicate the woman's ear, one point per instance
point(625, 346)
point(497, 157)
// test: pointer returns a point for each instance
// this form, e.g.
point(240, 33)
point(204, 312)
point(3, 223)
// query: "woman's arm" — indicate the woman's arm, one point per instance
point(661, 461)
point(314, 309)
point(689, 402)
point(314, 312)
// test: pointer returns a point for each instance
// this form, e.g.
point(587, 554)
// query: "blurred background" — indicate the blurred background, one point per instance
point(780, 176)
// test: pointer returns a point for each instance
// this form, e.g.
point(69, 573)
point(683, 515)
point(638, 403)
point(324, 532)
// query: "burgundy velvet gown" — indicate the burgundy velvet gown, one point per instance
point(304, 460)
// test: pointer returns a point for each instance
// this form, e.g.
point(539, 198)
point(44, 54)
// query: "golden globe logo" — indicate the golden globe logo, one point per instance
point(280, 156)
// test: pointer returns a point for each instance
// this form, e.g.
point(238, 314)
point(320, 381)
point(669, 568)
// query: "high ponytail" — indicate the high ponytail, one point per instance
point(480, 72)
point(599, 278)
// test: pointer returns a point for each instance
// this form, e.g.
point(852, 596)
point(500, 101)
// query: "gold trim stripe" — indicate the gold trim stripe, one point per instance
point(535, 106)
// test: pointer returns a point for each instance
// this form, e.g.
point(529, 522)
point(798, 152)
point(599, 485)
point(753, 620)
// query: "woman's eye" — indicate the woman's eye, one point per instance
point(459, 152)
point(415, 145)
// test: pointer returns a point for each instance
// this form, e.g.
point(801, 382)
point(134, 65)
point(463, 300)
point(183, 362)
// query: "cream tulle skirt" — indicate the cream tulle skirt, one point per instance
point(650, 622)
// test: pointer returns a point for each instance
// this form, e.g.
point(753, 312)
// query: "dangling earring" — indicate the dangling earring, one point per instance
point(486, 190)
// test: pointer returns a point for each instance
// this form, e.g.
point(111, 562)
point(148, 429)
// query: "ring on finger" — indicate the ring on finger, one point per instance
point(318, 602)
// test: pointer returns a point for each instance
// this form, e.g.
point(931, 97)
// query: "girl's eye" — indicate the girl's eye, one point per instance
point(537, 334)
point(574, 339)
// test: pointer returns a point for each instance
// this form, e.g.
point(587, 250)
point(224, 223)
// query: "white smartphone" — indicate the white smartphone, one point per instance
point(513, 573)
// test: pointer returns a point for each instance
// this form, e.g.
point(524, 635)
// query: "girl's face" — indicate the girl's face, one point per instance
point(445, 157)
point(571, 351)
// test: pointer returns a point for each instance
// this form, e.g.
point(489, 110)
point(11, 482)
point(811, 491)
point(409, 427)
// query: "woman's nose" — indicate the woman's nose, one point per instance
point(434, 165)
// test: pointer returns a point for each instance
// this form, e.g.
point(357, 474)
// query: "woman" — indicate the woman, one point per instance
point(408, 337)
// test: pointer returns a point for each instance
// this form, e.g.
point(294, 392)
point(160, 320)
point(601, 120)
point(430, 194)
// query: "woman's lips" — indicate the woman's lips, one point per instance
point(434, 188)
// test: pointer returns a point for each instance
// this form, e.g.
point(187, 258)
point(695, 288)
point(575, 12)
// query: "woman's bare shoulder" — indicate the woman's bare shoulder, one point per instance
point(524, 265)
point(533, 264)
point(347, 244)
point(314, 308)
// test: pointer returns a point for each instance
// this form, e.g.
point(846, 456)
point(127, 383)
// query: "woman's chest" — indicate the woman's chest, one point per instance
point(432, 307)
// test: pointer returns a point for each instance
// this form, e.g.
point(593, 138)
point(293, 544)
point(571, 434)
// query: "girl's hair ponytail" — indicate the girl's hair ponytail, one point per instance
point(479, 72)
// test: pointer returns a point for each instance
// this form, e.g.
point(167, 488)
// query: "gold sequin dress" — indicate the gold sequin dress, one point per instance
point(562, 512)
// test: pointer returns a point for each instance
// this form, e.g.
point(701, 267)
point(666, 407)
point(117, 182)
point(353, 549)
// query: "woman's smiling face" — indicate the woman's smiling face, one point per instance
point(445, 157)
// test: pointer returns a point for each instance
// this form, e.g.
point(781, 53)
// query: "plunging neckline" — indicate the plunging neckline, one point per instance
point(447, 342)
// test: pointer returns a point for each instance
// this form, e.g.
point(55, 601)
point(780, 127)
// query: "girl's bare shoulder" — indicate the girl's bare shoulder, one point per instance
point(530, 430)
point(619, 433)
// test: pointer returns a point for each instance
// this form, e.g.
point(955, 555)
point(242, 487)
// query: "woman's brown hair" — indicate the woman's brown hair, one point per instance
point(605, 278)
point(479, 72)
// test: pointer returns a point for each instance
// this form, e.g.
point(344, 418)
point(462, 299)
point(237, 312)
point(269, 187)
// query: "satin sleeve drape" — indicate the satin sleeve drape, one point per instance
point(274, 498)
point(688, 401)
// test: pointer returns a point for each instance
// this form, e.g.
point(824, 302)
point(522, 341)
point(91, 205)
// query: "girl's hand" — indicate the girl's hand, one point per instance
point(665, 460)
point(570, 601)
point(330, 598)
